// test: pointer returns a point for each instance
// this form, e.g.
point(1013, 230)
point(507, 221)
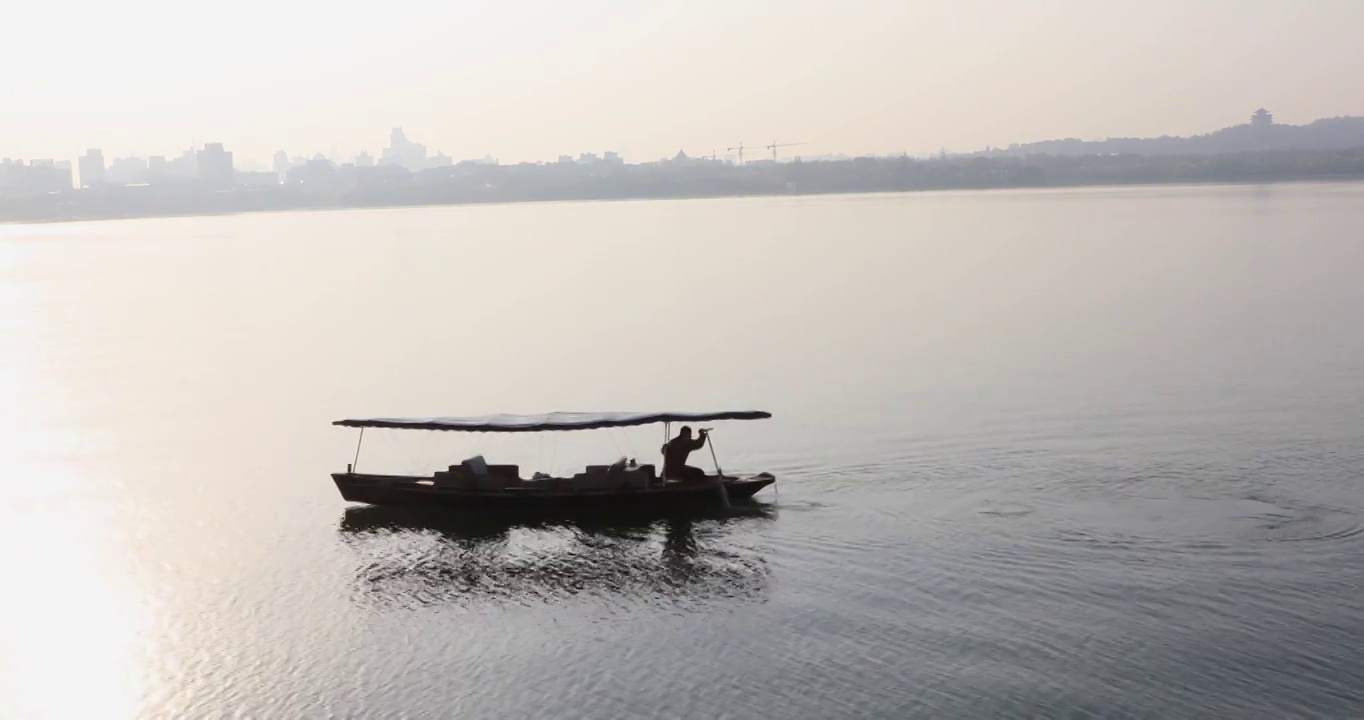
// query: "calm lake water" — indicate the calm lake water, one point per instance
point(1090, 453)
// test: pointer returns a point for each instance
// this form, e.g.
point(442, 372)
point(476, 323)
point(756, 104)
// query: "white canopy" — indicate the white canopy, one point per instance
point(548, 421)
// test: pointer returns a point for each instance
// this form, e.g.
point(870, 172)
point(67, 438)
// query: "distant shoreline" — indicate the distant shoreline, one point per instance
point(1296, 180)
point(205, 184)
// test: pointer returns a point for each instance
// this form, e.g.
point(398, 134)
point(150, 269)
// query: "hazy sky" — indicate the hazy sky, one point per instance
point(536, 78)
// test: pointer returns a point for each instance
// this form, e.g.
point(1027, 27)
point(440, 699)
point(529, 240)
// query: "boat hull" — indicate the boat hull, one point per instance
point(407, 491)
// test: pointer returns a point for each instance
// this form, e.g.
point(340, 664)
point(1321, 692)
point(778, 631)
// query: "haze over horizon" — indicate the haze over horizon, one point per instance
point(645, 79)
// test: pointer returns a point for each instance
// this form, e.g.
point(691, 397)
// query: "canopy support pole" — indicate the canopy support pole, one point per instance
point(356, 465)
point(667, 436)
point(719, 474)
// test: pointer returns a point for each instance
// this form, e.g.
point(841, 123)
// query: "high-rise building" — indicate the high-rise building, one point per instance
point(64, 178)
point(91, 166)
point(364, 160)
point(37, 177)
point(127, 171)
point(186, 166)
point(281, 163)
point(215, 166)
point(404, 152)
point(156, 169)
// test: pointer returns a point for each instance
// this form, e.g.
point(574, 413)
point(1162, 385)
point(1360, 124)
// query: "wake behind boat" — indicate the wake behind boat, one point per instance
point(475, 484)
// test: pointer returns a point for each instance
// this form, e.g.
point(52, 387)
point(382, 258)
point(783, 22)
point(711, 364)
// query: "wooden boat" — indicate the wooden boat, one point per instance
point(475, 485)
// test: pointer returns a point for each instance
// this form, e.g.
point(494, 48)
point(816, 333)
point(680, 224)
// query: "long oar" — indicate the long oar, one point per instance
point(719, 474)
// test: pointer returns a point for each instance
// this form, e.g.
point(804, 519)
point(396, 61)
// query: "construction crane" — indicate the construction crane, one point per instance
point(773, 147)
point(740, 148)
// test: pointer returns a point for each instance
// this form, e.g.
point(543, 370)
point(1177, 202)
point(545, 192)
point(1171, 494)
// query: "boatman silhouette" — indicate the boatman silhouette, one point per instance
point(675, 454)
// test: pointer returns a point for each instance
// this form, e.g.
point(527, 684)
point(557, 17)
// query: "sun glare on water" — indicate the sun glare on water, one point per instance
point(72, 623)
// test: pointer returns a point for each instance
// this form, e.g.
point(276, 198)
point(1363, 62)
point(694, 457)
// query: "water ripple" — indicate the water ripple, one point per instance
point(413, 560)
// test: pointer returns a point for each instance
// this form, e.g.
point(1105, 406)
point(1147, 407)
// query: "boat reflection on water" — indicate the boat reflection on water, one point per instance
point(410, 557)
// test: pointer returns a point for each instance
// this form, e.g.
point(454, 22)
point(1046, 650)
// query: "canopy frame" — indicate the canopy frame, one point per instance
point(556, 421)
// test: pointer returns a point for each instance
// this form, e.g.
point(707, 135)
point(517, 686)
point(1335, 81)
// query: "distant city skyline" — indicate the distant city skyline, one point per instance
point(214, 166)
point(207, 180)
point(541, 78)
point(402, 151)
